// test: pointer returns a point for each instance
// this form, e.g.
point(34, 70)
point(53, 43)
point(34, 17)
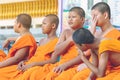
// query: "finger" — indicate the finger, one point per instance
point(60, 71)
point(19, 67)
point(55, 70)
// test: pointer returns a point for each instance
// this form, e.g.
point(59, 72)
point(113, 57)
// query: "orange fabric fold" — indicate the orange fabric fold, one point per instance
point(114, 46)
point(11, 72)
point(2, 55)
point(44, 52)
point(114, 34)
point(111, 45)
point(23, 41)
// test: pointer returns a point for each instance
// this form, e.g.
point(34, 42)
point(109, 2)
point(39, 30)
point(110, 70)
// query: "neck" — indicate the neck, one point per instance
point(106, 26)
point(51, 35)
point(95, 44)
point(24, 32)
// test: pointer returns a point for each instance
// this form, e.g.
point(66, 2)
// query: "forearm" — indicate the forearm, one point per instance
point(91, 66)
point(92, 76)
point(9, 61)
point(62, 47)
point(95, 60)
point(52, 60)
point(77, 60)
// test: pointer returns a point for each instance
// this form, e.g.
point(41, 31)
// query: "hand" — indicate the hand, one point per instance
point(6, 43)
point(81, 53)
point(20, 65)
point(25, 67)
point(59, 69)
point(81, 67)
point(93, 24)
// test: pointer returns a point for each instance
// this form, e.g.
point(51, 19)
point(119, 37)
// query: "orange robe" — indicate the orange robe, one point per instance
point(114, 34)
point(39, 73)
point(23, 41)
point(42, 53)
point(114, 46)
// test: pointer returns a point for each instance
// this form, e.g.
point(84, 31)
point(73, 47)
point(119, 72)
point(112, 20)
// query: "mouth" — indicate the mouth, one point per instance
point(70, 23)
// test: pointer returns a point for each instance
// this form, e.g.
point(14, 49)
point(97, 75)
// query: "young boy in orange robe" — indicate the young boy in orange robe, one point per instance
point(24, 46)
point(107, 63)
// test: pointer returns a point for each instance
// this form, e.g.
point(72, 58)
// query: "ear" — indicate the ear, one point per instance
point(19, 25)
point(106, 15)
point(83, 19)
point(53, 26)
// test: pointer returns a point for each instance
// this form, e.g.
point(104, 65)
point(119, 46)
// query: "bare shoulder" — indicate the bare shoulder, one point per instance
point(64, 35)
point(68, 33)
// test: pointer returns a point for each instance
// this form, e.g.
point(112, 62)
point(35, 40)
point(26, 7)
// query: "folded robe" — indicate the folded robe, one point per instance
point(40, 72)
point(21, 42)
point(114, 46)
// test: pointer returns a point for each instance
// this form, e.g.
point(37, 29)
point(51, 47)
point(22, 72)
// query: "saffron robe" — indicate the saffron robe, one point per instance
point(42, 53)
point(114, 46)
point(39, 73)
point(26, 40)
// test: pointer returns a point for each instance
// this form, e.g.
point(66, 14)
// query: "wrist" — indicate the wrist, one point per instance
point(33, 64)
point(82, 57)
point(65, 66)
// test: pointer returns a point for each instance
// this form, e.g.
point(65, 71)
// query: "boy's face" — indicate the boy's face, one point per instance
point(74, 20)
point(46, 26)
point(82, 47)
point(15, 27)
point(99, 17)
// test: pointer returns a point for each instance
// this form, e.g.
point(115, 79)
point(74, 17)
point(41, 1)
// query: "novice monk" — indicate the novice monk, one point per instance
point(65, 47)
point(101, 17)
point(107, 62)
point(45, 48)
point(66, 70)
point(24, 46)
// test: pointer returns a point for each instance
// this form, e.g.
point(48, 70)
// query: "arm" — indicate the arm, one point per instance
point(64, 42)
point(58, 50)
point(94, 56)
point(53, 59)
point(67, 64)
point(7, 41)
point(20, 55)
point(75, 61)
point(100, 70)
